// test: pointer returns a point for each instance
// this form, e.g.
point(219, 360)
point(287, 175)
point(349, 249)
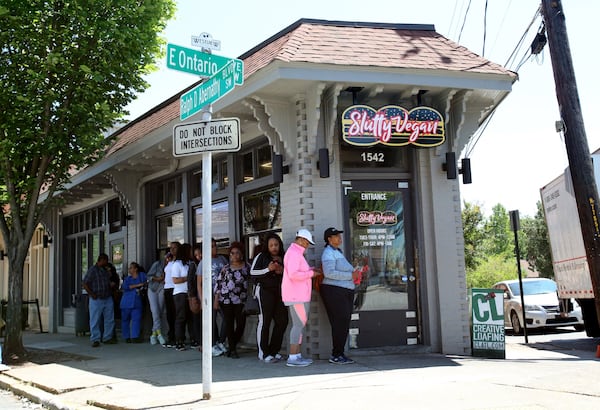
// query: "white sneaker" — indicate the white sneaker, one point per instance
point(153, 340)
point(222, 347)
point(299, 362)
point(161, 339)
point(269, 359)
point(278, 357)
point(216, 350)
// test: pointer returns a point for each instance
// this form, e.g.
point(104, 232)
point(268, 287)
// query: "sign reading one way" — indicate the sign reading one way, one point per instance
point(221, 135)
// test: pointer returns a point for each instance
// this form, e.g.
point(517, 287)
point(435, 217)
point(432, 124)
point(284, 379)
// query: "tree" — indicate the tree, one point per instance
point(537, 246)
point(68, 68)
point(498, 235)
point(473, 220)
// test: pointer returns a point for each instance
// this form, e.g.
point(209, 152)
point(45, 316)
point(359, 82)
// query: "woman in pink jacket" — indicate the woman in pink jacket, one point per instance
point(296, 290)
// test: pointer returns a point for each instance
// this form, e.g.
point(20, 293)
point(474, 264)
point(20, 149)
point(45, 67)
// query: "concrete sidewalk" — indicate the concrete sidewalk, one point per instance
point(141, 376)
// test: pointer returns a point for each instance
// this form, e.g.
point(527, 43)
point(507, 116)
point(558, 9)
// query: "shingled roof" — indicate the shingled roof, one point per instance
point(403, 46)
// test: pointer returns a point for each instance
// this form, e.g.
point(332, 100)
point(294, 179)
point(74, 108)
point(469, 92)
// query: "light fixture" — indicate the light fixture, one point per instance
point(279, 169)
point(1, 254)
point(450, 165)
point(46, 240)
point(465, 170)
point(323, 164)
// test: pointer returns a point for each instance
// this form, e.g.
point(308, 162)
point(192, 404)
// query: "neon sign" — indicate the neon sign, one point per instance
point(392, 125)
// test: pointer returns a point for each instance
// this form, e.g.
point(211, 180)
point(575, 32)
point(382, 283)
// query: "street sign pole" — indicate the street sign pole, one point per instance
point(207, 293)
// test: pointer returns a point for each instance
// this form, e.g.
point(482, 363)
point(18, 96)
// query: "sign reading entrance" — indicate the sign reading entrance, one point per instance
point(488, 323)
point(392, 125)
point(221, 135)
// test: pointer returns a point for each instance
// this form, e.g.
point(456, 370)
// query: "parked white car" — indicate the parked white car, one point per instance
point(542, 306)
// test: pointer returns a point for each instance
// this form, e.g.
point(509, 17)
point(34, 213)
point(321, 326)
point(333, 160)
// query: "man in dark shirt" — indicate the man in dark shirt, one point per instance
point(96, 282)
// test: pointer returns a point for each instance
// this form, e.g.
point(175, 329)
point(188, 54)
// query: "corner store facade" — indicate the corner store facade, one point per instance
point(399, 211)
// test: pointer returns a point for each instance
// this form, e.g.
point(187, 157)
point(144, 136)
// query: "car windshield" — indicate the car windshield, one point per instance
point(533, 287)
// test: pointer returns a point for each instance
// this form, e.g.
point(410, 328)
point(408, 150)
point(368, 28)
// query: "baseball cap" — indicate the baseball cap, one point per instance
point(330, 232)
point(303, 233)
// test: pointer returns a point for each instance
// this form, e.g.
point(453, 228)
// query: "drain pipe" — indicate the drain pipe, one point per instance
point(139, 225)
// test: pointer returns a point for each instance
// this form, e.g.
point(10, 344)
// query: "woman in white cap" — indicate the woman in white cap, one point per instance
point(296, 288)
point(337, 292)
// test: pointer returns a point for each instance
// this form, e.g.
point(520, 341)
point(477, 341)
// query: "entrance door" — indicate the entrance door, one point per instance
point(379, 240)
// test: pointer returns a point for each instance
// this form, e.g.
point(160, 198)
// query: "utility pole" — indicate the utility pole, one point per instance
point(578, 152)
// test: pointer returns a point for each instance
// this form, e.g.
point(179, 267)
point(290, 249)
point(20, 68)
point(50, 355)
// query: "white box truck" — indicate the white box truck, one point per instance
point(571, 270)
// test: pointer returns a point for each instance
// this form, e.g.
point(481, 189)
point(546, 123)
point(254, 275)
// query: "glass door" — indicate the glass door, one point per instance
point(379, 235)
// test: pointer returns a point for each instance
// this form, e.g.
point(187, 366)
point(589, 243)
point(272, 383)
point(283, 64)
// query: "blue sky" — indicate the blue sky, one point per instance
point(518, 152)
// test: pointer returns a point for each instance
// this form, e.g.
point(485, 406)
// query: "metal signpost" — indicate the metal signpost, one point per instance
point(205, 137)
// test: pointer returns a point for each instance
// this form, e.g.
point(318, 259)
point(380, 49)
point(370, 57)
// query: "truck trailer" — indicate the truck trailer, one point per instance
point(571, 270)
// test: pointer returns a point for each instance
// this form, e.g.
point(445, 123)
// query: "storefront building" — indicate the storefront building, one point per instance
point(361, 116)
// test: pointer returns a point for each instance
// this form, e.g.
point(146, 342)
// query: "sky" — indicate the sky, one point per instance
point(518, 152)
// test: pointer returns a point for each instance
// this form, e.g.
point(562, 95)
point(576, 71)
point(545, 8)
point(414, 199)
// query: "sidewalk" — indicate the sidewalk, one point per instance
point(142, 376)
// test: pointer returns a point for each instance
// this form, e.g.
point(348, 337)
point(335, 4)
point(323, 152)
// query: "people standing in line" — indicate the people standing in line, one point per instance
point(168, 291)
point(132, 304)
point(267, 271)
point(219, 333)
point(195, 318)
point(296, 288)
point(337, 292)
point(156, 297)
point(231, 291)
point(96, 283)
point(179, 272)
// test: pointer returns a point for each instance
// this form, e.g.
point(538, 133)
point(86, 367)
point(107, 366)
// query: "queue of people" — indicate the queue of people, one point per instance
point(283, 287)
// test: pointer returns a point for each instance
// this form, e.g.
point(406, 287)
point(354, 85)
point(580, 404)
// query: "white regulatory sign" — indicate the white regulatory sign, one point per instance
point(221, 135)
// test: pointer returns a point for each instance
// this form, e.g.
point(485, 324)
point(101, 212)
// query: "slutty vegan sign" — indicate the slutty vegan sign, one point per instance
point(392, 125)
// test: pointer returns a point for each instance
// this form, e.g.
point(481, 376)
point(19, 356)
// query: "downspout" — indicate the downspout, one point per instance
point(138, 201)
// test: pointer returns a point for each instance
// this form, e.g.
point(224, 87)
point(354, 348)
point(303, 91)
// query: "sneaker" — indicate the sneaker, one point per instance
point(341, 359)
point(153, 340)
point(278, 357)
point(216, 351)
point(299, 362)
point(195, 345)
point(161, 339)
point(180, 347)
point(170, 344)
point(96, 344)
point(112, 341)
point(270, 359)
point(222, 347)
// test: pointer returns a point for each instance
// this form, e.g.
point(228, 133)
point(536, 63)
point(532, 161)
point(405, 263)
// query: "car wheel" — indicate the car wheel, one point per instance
point(514, 321)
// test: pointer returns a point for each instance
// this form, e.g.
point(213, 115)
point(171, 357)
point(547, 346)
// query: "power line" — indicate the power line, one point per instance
point(464, 21)
point(484, 27)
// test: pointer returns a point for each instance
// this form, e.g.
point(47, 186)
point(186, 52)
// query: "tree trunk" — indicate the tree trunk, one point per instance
point(13, 342)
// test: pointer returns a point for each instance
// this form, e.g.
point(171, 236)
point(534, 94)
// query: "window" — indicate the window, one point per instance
point(168, 193)
point(261, 211)
point(220, 180)
point(220, 223)
point(256, 163)
point(170, 229)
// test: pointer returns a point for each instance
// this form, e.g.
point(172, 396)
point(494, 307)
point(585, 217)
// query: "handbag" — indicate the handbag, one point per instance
point(195, 305)
point(251, 305)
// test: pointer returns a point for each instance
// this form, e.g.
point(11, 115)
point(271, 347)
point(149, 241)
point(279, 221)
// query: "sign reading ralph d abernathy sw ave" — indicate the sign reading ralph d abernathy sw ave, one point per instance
point(222, 135)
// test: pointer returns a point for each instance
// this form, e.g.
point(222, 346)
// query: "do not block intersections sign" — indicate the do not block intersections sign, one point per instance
point(221, 135)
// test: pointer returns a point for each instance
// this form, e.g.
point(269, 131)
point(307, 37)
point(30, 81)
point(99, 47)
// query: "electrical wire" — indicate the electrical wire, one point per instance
point(501, 25)
point(484, 27)
point(452, 18)
point(464, 21)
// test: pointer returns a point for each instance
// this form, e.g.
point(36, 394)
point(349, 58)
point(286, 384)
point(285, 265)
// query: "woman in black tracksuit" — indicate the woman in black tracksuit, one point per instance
point(267, 272)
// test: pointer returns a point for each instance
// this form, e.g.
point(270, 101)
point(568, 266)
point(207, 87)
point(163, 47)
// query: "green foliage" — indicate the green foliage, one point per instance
point(473, 220)
point(68, 68)
point(537, 248)
point(491, 270)
point(498, 235)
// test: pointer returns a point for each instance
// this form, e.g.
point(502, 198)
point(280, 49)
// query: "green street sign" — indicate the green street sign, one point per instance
point(208, 92)
point(203, 64)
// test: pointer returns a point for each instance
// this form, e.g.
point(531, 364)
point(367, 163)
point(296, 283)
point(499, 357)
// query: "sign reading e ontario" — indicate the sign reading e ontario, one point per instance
point(222, 135)
point(392, 125)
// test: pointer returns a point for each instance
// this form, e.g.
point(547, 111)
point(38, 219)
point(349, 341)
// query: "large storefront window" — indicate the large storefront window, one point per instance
point(261, 213)
point(170, 229)
point(220, 223)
